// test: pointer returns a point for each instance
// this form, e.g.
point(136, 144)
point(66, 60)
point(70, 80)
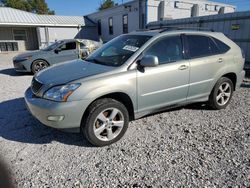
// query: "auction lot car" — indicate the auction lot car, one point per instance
point(135, 75)
point(60, 51)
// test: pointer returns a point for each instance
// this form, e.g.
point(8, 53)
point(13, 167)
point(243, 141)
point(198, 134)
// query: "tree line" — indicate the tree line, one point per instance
point(35, 6)
point(41, 7)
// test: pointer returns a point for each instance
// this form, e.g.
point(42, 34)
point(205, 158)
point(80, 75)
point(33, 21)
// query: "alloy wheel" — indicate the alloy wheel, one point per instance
point(224, 93)
point(108, 124)
point(40, 65)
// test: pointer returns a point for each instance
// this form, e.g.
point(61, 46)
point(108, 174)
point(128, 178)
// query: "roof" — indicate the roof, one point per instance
point(11, 16)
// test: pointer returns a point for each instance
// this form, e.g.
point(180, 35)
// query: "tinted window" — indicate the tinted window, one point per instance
point(222, 46)
point(167, 50)
point(99, 23)
point(125, 23)
point(111, 26)
point(200, 46)
point(68, 46)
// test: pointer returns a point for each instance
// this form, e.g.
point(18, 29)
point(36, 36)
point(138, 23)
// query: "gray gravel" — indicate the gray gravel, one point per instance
point(190, 146)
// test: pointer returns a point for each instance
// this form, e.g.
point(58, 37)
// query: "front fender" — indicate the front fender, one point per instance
point(120, 82)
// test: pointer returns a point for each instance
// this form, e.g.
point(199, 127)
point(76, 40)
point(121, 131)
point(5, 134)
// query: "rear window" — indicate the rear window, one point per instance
point(201, 46)
point(222, 46)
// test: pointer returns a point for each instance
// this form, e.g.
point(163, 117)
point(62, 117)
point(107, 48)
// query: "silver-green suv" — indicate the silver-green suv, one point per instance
point(135, 75)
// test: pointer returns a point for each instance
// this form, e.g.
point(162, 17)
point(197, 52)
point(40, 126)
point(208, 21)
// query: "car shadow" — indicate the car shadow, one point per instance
point(192, 106)
point(245, 85)
point(12, 72)
point(17, 124)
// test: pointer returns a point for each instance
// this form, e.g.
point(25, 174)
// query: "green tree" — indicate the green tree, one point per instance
point(18, 4)
point(40, 7)
point(35, 6)
point(106, 4)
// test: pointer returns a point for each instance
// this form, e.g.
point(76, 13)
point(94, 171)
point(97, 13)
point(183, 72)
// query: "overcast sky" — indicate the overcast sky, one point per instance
point(83, 7)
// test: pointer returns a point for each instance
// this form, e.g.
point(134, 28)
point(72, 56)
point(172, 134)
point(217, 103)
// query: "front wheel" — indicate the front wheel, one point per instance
point(221, 94)
point(38, 65)
point(106, 122)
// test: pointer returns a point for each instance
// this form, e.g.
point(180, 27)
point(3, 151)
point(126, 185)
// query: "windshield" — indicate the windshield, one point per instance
point(119, 50)
point(53, 46)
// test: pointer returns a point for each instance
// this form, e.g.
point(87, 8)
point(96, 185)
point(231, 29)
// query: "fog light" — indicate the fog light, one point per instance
point(55, 118)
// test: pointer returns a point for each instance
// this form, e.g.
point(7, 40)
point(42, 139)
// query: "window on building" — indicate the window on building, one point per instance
point(167, 50)
point(20, 34)
point(125, 23)
point(111, 26)
point(208, 46)
point(176, 4)
point(99, 23)
point(68, 46)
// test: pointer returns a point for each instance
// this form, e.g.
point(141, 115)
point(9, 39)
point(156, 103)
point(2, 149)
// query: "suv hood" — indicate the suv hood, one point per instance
point(69, 71)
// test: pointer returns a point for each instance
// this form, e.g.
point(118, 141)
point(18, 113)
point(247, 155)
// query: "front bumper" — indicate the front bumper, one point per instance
point(43, 110)
point(21, 65)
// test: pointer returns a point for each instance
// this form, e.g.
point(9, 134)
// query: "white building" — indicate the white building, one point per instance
point(21, 30)
point(136, 14)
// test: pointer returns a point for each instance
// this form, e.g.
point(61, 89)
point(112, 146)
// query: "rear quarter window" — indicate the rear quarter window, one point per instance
point(221, 45)
point(201, 46)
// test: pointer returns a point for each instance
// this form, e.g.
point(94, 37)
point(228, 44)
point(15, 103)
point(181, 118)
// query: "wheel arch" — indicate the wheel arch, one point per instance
point(233, 77)
point(119, 96)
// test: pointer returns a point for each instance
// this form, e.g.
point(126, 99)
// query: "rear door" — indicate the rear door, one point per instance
point(167, 83)
point(206, 61)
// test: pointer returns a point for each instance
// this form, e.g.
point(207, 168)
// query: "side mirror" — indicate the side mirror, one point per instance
point(149, 61)
point(57, 50)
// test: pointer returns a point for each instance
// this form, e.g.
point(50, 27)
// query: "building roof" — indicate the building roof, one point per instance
point(11, 16)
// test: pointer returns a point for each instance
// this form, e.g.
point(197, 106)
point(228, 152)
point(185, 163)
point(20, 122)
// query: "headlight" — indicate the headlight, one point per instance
point(61, 93)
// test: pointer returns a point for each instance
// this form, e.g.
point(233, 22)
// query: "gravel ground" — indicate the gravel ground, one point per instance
point(188, 147)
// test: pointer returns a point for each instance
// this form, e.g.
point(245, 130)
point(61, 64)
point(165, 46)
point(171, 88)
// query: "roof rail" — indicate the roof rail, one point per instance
point(171, 28)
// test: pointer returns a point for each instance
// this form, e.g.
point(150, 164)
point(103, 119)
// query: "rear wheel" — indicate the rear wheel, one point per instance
point(106, 122)
point(38, 65)
point(221, 94)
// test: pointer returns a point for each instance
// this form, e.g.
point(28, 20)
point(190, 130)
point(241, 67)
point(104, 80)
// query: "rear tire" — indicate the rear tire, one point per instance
point(38, 65)
point(105, 123)
point(221, 94)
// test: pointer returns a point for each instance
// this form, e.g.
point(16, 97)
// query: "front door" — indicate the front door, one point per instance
point(66, 52)
point(167, 83)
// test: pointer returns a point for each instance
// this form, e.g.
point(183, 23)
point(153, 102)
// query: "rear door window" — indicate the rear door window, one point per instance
point(201, 46)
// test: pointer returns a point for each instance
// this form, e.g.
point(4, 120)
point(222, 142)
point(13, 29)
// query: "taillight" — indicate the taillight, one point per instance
point(243, 53)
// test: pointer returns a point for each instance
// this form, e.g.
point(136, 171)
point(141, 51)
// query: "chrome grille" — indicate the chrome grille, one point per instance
point(35, 86)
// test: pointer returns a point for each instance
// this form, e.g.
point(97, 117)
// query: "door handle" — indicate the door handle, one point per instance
point(220, 60)
point(183, 67)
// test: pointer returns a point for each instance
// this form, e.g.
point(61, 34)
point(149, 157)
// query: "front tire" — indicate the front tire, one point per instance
point(221, 94)
point(38, 65)
point(105, 123)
